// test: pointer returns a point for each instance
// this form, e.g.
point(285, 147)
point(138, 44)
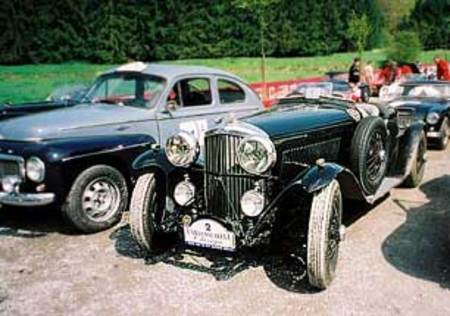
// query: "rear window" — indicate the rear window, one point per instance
point(230, 92)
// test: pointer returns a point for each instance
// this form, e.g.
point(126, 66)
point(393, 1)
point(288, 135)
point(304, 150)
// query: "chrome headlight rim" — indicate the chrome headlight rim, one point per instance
point(192, 154)
point(258, 203)
point(432, 118)
point(186, 184)
point(269, 148)
point(35, 169)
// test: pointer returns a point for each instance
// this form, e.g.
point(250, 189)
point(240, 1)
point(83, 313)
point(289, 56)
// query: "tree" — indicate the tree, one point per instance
point(405, 47)
point(359, 30)
point(261, 9)
point(395, 11)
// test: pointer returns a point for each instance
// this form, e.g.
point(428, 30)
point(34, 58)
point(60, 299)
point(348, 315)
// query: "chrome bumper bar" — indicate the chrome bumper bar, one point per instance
point(26, 199)
point(434, 134)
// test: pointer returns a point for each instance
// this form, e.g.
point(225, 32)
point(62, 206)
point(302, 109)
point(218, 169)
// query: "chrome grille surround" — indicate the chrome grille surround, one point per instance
point(405, 116)
point(11, 165)
point(225, 180)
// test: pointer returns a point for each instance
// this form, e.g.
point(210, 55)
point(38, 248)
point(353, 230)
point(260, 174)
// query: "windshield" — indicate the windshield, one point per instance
point(313, 90)
point(430, 91)
point(127, 89)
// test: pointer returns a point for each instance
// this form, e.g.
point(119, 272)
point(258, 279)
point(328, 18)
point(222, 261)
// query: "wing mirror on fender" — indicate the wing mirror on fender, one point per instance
point(170, 107)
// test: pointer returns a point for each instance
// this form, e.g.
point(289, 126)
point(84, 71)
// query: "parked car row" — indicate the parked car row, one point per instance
point(194, 154)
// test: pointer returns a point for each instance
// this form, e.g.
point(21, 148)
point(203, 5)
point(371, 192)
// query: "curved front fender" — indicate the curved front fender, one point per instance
point(318, 177)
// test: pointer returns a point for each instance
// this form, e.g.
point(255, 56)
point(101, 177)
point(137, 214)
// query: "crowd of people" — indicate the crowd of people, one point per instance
point(392, 71)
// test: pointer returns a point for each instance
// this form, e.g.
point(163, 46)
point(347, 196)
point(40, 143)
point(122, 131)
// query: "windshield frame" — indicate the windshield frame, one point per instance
point(137, 75)
point(410, 86)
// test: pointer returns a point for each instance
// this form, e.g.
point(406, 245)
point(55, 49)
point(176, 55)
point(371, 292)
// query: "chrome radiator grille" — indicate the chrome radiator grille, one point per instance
point(225, 180)
point(10, 166)
point(405, 117)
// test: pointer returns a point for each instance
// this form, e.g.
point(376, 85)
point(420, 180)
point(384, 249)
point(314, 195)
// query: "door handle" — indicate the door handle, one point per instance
point(123, 127)
point(218, 120)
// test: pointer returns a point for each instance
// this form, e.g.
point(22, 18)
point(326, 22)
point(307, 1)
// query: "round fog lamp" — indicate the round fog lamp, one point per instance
point(10, 183)
point(184, 193)
point(252, 203)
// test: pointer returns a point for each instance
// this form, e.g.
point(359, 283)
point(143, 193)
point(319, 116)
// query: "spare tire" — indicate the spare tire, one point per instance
point(368, 153)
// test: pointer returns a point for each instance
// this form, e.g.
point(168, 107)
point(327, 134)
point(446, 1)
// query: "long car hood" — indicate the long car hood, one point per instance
point(422, 106)
point(286, 121)
point(81, 120)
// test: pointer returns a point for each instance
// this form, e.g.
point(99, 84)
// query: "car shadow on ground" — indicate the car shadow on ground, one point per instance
point(285, 271)
point(32, 222)
point(420, 247)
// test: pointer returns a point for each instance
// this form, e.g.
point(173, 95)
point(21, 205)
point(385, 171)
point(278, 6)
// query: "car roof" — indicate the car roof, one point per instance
point(169, 72)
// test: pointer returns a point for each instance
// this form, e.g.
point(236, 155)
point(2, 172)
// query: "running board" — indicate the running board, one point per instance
point(387, 184)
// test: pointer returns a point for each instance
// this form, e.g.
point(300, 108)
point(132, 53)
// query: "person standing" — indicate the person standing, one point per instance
point(354, 73)
point(443, 68)
point(368, 75)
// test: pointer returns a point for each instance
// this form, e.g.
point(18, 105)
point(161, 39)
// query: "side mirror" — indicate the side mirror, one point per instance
point(170, 107)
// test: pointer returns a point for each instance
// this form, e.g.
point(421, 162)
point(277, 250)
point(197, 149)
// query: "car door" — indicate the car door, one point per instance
point(193, 104)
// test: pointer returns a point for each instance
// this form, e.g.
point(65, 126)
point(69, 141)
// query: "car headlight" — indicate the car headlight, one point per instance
point(256, 154)
point(184, 193)
point(35, 169)
point(182, 149)
point(432, 118)
point(252, 203)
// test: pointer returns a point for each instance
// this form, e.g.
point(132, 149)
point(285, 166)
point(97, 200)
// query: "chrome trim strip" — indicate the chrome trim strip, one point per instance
point(26, 199)
point(105, 151)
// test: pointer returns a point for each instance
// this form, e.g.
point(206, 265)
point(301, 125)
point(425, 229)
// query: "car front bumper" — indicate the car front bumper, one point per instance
point(434, 134)
point(26, 199)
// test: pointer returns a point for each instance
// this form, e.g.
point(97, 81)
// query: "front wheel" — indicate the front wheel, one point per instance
point(145, 205)
point(324, 235)
point(445, 131)
point(96, 199)
point(418, 167)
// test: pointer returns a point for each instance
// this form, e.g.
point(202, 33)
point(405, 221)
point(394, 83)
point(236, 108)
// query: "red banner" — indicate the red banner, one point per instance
point(278, 89)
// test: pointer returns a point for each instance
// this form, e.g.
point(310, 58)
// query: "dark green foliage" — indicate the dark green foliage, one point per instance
point(431, 20)
point(405, 47)
point(114, 31)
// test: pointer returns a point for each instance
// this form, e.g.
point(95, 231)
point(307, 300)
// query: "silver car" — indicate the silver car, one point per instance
point(83, 158)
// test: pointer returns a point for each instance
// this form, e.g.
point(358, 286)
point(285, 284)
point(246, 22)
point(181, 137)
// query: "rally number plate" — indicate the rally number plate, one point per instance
point(209, 234)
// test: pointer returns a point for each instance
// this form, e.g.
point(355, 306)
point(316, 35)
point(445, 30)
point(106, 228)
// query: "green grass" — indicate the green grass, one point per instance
point(35, 82)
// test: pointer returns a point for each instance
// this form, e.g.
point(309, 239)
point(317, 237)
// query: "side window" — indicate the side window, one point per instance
point(191, 92)
point(229, 92)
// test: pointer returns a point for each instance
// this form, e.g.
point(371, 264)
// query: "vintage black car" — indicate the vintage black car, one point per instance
point(256, 176)
point(431, 102)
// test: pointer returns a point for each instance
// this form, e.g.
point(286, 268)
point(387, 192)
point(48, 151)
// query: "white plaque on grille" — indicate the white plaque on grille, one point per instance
point(209, 234)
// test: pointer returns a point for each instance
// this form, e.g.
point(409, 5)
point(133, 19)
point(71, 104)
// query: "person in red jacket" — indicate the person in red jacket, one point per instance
point(443, 68)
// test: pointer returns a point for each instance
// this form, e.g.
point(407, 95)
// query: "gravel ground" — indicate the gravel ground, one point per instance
point(395, 260)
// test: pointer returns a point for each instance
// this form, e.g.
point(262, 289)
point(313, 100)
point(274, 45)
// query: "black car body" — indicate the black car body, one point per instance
point(300, 153)
point(430, 101)
point(62, 97)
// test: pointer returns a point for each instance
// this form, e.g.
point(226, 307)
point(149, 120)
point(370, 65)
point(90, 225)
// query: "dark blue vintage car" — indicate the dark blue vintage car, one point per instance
point(80, 158)
point(431, 102)
point(257, 176)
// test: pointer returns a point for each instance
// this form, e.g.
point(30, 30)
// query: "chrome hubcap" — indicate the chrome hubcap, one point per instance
point(100, 200)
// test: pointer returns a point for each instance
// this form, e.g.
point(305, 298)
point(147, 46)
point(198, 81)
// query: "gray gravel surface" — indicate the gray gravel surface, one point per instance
point(395, 261)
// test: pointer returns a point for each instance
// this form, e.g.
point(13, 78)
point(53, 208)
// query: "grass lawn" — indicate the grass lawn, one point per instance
point(35, 82)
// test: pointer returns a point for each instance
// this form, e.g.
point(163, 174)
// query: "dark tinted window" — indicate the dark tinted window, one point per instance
point(191, 92)
point(229, 92)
